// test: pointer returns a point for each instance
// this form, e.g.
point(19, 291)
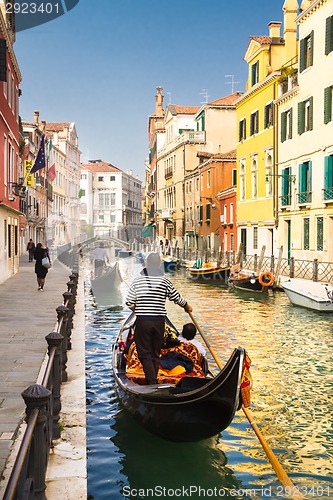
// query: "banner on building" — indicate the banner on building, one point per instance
point(29, 178)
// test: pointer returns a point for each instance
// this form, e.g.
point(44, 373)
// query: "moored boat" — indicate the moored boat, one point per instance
point(309, 294)
point(170, 264)
point(207, 271)
point(250, 282)
point(189, 408)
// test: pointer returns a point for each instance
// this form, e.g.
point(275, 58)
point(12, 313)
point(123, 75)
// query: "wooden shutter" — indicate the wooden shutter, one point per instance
point(283, 126)
point(3, 62)
point(329, 35)
point(311, 47)
point(327, 104)
point(290, 131)
point(301, 117)
point(311, 113)
point(302, 55)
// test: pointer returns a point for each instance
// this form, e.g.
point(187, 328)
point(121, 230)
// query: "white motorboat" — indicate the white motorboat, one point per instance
point(309, 294)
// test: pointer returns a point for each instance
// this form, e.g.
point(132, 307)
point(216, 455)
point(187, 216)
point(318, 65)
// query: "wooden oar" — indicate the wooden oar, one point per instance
point(290, 488)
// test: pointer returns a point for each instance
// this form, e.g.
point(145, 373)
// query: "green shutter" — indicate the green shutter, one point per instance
point(329, 35)
point(301, 117)
point(327, 104)
point(311, 113)
point(309, 177)
point(302, 177)
point(311, 48)
point(253, 70)
point(244, 129)
point(328, 172)
point(283, 126)
point(302, 55)
point(285, 181)
point(290, 134)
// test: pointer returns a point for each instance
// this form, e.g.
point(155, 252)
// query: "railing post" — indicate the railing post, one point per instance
point(292, 267)
point(255, 262)
point(54, 339)
point(36, 397)
point(68, 299)
point(315, 270)
point(62, 313)
point(272, 264)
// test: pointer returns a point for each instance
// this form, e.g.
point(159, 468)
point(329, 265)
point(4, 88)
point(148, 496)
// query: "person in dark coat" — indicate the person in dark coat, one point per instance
point(40, 270)
point(31, 249)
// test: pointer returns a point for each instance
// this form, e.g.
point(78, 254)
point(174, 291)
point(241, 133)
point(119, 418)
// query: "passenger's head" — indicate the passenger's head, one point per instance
point(189, 331)
point(39, 245)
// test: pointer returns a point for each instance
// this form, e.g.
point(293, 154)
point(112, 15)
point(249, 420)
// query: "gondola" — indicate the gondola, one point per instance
point(105, 287)
point(251, 282)
point(191, 409)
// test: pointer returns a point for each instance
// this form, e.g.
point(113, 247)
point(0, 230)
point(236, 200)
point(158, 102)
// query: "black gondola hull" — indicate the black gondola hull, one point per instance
point(193, 410)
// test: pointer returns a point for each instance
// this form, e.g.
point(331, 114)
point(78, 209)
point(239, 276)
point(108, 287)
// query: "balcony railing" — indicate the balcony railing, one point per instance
point(304, 197)
point(328, 194)
point(285, 200)
point(186, 137)
point(167, 213)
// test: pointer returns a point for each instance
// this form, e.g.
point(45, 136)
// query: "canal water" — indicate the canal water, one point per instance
point(292, 367)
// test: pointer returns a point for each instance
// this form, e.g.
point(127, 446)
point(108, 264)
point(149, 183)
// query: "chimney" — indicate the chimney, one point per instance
point(305, 5)
point(274, 29)
point(36, 116)
point(290, 10)
point(159, 111)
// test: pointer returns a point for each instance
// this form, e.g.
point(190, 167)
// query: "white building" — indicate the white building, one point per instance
point(305, 158)
point(110, 201)
point(63, 221)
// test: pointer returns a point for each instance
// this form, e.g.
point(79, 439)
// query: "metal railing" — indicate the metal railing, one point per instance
point(43, 406)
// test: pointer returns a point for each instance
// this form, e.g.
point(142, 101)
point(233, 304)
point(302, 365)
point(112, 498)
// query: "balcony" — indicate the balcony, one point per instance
point(167, 214)
point(186, 137)
point(285, 200)
point(304, 198)
point(328, 195)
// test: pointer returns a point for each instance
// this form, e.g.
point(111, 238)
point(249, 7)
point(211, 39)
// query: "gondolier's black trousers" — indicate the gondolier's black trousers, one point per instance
point(148, 336)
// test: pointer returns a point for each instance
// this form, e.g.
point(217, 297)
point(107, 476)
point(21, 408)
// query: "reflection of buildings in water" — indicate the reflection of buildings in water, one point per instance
point(149, 461)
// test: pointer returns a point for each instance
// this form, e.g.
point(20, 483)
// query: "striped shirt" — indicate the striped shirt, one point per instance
point(149, 293)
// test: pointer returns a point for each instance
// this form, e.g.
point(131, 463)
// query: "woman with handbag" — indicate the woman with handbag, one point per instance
point(42, 265)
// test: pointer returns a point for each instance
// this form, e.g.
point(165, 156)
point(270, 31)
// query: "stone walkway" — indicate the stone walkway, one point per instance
point(26, 317)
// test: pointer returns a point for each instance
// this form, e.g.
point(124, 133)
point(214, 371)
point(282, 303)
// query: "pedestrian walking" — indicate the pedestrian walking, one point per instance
point(31, 249)
point(147, 297)
point(40, 270)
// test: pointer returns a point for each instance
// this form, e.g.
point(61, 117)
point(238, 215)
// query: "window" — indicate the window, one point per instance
point(200, 212)
point(232, 241)
point(242, 129)
point(306, 52)
point(234, 177)
point(208, 213)
point(329, 35)
point(112, 178)
point(255, 238)
point(286, 187)
point(231, 215)
point(3, 69)
point(242, 177)
point(269, 110)
point(208, 178)
point(254, 176)
point(328, 178)
point(225, 208)
point(100, 179)
point(255, 73)
point(328, 115)
point(304, 182)
point(320, 233)
point(306, 233)
point(286, 125)
point(254, 123)
point(305, 115)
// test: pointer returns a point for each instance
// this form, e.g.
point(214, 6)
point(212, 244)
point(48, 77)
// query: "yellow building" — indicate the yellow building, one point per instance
point(257, 214)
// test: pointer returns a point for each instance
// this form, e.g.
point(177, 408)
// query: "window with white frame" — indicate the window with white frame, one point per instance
point(255, 238)
point(254, 178)
point(208, 178)
point(231, 213)
point(242, 178)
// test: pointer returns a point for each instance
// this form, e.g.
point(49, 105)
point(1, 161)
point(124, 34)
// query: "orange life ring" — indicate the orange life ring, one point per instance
point(266, 279)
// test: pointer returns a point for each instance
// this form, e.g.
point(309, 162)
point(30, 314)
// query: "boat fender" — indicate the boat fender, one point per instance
point(266, 279)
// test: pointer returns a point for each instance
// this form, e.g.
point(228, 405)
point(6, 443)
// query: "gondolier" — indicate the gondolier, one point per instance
point(147, 297)
point(101, 257)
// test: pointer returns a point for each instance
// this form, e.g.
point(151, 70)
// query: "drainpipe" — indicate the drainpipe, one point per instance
point(275, 163)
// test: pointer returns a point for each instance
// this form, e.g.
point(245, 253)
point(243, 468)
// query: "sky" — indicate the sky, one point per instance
point(99, 65)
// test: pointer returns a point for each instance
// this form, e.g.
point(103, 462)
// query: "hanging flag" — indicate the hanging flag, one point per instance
point(52, 168)
point(40, 159)
point(80, 193)
point(146, 231)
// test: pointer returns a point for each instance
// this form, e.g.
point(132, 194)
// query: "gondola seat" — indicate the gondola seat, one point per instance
point(134, 370)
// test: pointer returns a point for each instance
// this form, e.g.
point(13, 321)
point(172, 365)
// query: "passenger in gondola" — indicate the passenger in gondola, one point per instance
point(147, 297)
point(188, 333)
